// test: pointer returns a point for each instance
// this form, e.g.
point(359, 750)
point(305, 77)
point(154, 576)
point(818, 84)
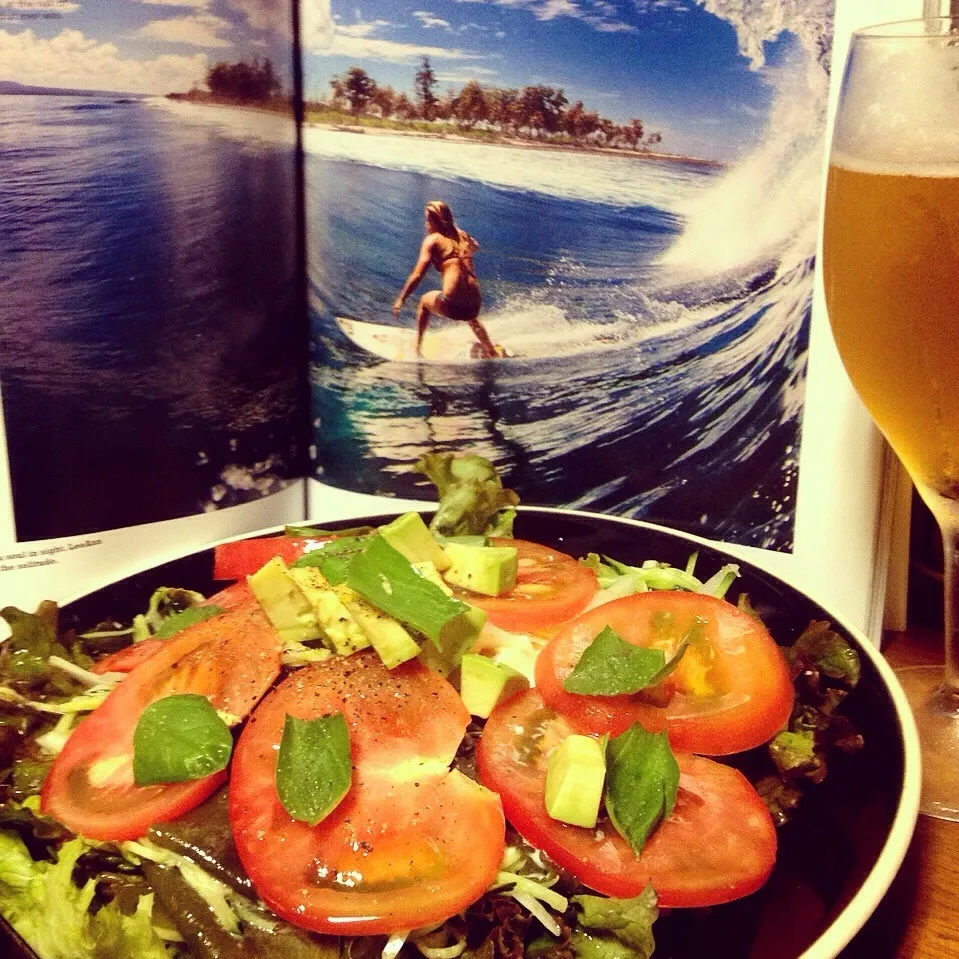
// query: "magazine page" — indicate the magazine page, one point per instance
point(151, 326)
point(622, 203)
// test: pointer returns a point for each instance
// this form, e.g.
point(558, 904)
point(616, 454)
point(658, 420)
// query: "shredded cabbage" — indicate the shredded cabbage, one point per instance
point(531, 895)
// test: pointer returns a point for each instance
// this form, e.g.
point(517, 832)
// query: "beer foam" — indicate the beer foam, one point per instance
point(886, 167)
point(900, 106)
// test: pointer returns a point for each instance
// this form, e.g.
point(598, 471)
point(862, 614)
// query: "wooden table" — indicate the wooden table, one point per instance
point(919, 916)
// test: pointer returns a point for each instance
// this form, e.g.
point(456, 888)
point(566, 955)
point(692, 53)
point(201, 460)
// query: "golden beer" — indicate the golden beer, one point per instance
point(891, 273)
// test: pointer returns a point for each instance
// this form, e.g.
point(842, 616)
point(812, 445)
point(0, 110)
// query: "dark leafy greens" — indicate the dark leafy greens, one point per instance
point(825, 668)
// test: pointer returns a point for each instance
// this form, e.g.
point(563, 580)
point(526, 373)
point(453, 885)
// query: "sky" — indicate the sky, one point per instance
point(671, 63)
point(137, 46)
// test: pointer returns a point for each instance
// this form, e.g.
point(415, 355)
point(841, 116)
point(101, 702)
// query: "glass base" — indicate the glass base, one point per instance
point(937, 719)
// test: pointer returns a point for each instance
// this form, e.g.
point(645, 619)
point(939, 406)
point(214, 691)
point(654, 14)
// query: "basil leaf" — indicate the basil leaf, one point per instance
point(334, 557)
point(314, 768)
point(177, 738)
point(177, 621)
point(642, 779)
point(610, 666)
point(306, 532)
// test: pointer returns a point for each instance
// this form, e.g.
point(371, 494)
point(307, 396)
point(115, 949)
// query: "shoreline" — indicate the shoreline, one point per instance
point(454, 137)
point(513, 142)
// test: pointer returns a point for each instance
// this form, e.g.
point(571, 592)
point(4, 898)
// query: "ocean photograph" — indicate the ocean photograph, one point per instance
point(150, 326)
point(642, 181)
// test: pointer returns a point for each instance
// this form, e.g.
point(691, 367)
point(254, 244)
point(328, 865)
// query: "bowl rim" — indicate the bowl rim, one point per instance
point(854, 914)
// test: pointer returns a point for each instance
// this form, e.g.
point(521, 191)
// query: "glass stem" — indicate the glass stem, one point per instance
point(946, 512)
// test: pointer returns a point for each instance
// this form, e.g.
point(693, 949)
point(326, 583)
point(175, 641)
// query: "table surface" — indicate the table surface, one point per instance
point(919, 916)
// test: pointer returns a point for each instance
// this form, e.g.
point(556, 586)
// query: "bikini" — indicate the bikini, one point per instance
point(466, 302)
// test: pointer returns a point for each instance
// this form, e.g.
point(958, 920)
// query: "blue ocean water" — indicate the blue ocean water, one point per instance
point(669, 394)
point(147, 309)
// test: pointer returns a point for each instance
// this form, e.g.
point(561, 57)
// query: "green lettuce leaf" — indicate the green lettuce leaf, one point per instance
point(615, 928)
point(624, 579)
point(42, 903)
point(472, 499)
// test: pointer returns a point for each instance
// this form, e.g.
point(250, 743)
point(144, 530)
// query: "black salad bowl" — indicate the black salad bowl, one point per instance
point(839, 854)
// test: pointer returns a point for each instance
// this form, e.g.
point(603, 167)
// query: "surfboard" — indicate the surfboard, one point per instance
point(450, 342)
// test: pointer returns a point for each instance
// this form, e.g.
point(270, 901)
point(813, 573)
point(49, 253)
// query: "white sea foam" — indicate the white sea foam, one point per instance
point(600, 178)
point(758, 21)
point(245, 125)
point(768, 203)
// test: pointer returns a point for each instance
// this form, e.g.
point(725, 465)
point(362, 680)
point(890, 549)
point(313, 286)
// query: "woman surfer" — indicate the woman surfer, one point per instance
point(450, 250)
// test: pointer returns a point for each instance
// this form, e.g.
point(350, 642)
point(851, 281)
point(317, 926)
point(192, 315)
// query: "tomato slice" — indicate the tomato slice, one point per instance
point(245, 556)
point(412, 842)
point(718, 844)
point(731, 691)
point(551, 587)
point(127, 659)
point(232, 658)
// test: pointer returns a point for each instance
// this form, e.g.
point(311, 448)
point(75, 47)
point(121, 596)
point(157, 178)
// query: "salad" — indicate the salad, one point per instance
point(406, 740)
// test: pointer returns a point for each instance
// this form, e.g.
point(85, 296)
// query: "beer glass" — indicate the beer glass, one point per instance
point(891, 274)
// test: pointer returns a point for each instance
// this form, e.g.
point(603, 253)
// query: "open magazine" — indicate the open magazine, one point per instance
point(223, 225)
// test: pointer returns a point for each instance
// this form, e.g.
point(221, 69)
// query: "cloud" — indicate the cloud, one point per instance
point(551, 9)
point(325, 36)
point(75, 61)
point(47, 6)
point(195, 4)
point(658, 6)
point(464, 76)
point(362, 28)
point(431, 21)
point(195, 30)
point(391, 50)
point(268, 14)
point(601, 15)
point(316, 25)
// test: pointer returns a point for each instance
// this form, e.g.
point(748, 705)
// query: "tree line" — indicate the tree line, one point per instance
point(536, 112)
point(241, 82)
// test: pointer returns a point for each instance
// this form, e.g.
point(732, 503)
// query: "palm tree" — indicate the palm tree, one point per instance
point(423, 83)
point(359, 88)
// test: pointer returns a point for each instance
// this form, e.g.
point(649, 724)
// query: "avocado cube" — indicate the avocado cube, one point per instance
point(409, 535)
point(338, 629)
point(575, 772)
point(283, 601)
point(490, 570)
point(429, 571)
point(444, 541)
point(455, 638)
point(388, 637)
point(484, 683)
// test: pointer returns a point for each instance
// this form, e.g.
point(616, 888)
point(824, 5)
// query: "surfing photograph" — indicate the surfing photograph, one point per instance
point(575, 238)
point(150, 327)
